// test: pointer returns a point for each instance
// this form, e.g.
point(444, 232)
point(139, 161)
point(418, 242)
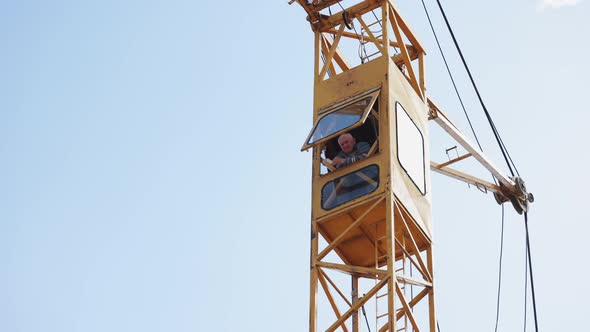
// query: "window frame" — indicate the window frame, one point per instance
point(378, 183)
point(422, 190)
point(373, 93)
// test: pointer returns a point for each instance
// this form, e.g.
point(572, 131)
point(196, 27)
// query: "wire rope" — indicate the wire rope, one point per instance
point(366, 319)
point(526, 279)
point(500, 271)
point(451, 75)
point(503, 148)
point(355, 32)
point(530, 263)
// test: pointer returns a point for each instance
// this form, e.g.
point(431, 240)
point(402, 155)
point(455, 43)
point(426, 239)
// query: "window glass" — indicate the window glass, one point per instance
point(347, 117)
point(410, 148)
point(339, 120)
point(351, 186)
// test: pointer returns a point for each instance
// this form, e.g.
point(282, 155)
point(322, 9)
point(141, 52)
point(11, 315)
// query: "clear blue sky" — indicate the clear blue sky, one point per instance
point(151, 179)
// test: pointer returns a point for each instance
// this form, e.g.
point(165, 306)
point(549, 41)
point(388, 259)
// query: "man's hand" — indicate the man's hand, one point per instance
point(337, 161)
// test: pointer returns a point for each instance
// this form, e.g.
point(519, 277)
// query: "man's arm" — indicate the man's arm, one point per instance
point(362, 149)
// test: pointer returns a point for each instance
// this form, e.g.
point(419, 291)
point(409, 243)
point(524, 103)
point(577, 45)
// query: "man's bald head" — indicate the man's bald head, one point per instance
point(346, 142)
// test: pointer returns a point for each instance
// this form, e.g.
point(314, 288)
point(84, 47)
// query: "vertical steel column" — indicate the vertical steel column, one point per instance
point(355, 298)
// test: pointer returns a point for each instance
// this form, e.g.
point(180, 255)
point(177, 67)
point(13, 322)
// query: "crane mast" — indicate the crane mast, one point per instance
point(371, 217)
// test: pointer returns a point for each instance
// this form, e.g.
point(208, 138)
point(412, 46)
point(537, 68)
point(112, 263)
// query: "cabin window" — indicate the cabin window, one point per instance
point(410, 148)
point(367, 133)
point(351, 186)
point(341, 118)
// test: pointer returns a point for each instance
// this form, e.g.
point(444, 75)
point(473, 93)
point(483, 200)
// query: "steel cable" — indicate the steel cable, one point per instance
point(487, 114)
point(530, 263)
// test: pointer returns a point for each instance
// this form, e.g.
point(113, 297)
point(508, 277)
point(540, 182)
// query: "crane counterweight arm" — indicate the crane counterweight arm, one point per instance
point(442, 120)
point(469, 179)
point(510, 189)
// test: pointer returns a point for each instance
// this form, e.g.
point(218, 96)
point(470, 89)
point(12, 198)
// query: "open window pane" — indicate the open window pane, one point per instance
point(348, 187)
point(348, 116)
point(410, 148)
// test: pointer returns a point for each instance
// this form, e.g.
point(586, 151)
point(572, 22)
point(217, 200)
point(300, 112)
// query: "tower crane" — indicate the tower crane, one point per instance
point(372, 202)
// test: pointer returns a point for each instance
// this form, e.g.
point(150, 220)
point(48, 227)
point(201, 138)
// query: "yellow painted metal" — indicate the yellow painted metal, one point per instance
point(372, 234)
point(386, 232)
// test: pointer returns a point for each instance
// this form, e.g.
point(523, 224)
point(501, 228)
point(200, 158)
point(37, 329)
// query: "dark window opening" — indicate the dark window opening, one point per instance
point(368, 132)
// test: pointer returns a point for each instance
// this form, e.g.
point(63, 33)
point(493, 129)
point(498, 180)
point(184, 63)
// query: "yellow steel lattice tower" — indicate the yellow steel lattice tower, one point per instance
point(373, 213)
point(371, 199)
